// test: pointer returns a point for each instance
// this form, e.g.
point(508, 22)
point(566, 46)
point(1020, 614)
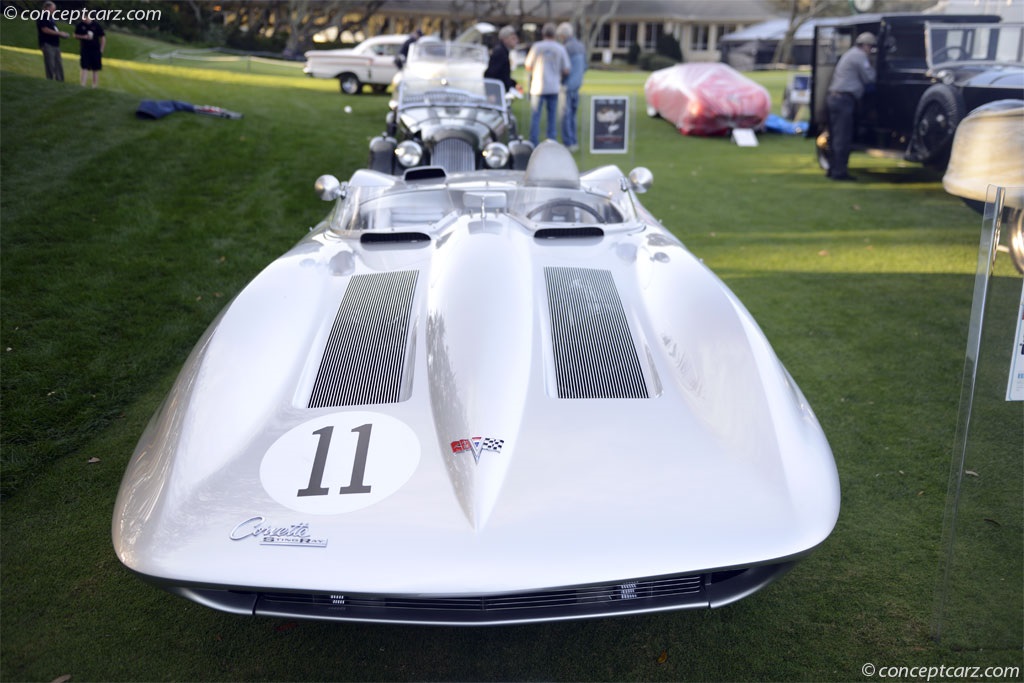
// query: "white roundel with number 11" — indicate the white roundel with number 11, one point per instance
point(340, 462)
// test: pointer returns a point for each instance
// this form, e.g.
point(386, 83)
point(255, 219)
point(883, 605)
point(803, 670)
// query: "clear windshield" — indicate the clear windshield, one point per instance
point(977, 43)
point(448, 91)
point(428, 209)
point(375, 208)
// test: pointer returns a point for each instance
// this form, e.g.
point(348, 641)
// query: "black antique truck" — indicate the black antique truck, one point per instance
point(933, 70)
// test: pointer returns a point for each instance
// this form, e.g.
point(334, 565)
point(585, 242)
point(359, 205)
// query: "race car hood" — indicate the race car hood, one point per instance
point(486, 410)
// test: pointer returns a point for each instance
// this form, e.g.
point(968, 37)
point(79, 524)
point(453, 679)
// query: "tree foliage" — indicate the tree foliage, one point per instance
point(802, 11)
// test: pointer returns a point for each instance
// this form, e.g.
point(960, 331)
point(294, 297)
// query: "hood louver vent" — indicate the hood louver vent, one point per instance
point(595, 356)
point(364, 361)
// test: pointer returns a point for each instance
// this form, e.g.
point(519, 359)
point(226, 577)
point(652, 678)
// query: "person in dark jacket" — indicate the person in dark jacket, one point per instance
point(49, 42)
point(500, 65)
point(403, 54)
point(93, 43)
point(853, 74)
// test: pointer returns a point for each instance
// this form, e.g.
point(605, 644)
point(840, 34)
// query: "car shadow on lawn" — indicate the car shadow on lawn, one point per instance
point(903, 173)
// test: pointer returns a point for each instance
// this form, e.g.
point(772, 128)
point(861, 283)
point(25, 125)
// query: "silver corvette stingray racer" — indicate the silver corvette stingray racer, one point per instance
point(479, 398)
point(446, 114)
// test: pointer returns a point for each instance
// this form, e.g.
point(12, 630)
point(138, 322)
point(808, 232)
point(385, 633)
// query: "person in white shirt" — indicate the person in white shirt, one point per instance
point(547, 63)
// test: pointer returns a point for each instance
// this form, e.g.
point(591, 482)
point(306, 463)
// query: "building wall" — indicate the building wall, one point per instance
point(697, 34)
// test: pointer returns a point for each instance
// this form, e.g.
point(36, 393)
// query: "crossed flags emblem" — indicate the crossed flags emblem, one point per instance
point(477, 445)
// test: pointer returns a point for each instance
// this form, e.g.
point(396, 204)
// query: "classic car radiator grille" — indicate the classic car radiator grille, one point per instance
point(593, 349)
point(454, 155)
point(365, 355)
point(627, 596)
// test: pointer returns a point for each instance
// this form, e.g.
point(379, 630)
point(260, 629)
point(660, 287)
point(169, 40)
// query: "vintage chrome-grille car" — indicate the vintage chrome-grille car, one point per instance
point(479, 398)
point(446, 114)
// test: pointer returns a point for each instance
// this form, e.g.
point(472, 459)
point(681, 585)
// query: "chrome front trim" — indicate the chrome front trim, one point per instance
point(364, 360)
point(454, 155)
point(632, 596)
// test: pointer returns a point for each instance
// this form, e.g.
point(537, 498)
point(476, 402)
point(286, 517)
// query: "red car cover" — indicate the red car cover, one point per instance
point(706, 98)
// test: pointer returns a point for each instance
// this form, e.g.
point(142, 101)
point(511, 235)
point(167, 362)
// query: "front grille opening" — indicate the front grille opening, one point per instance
point(629, 596)
point(454, 155)
point(624, 596)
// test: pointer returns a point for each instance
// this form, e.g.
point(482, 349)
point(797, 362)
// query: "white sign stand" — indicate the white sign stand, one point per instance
point(744, 137)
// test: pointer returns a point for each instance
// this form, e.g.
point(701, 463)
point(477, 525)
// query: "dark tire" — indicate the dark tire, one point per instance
point(939, 112)
point(349, 84)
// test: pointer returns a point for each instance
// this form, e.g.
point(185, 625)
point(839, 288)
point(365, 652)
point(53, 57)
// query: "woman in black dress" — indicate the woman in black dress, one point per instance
point(93, 41)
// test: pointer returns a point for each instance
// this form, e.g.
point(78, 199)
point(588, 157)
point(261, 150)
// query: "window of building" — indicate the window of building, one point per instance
point(652, 32)
point(604, 38)
point(699, 37)
point(627, 35)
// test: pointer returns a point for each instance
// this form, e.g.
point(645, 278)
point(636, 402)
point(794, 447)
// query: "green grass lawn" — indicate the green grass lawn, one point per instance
point(121, 240)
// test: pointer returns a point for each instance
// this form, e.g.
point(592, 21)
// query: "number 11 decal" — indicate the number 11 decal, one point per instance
point(316, 465)
point(316, 475)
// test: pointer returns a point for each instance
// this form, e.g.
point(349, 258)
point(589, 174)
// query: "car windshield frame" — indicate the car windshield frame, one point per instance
point(429, 208)
point(440, 91)
point(973, 44)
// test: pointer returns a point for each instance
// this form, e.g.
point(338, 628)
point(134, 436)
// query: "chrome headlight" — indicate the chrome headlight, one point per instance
point(409, 153)
point(496, 155)
point(945, 76)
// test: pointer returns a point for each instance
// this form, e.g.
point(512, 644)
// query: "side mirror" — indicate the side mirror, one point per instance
point(641, 179)
point(328, 188)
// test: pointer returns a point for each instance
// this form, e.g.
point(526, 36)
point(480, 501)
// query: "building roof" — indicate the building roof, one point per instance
point(706, 11)
point(770, 30)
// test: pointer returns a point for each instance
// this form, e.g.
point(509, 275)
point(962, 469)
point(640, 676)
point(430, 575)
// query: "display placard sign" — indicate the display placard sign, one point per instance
point(609, 125)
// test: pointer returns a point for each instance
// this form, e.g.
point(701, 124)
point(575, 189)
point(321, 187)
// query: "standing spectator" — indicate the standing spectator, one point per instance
point(500, 65)
point(49, 42)
point(571, 88)
point(852, 75)
point(548, 64)
point(403, 53)
point(93, 43)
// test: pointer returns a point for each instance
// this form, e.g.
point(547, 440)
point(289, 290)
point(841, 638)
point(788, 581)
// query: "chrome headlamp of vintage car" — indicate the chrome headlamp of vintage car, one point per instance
point(409, 153)
point(496, 155)
point(946, 76)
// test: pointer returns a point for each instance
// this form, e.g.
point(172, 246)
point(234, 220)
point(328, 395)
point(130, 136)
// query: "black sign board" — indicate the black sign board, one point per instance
point(609, 125)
